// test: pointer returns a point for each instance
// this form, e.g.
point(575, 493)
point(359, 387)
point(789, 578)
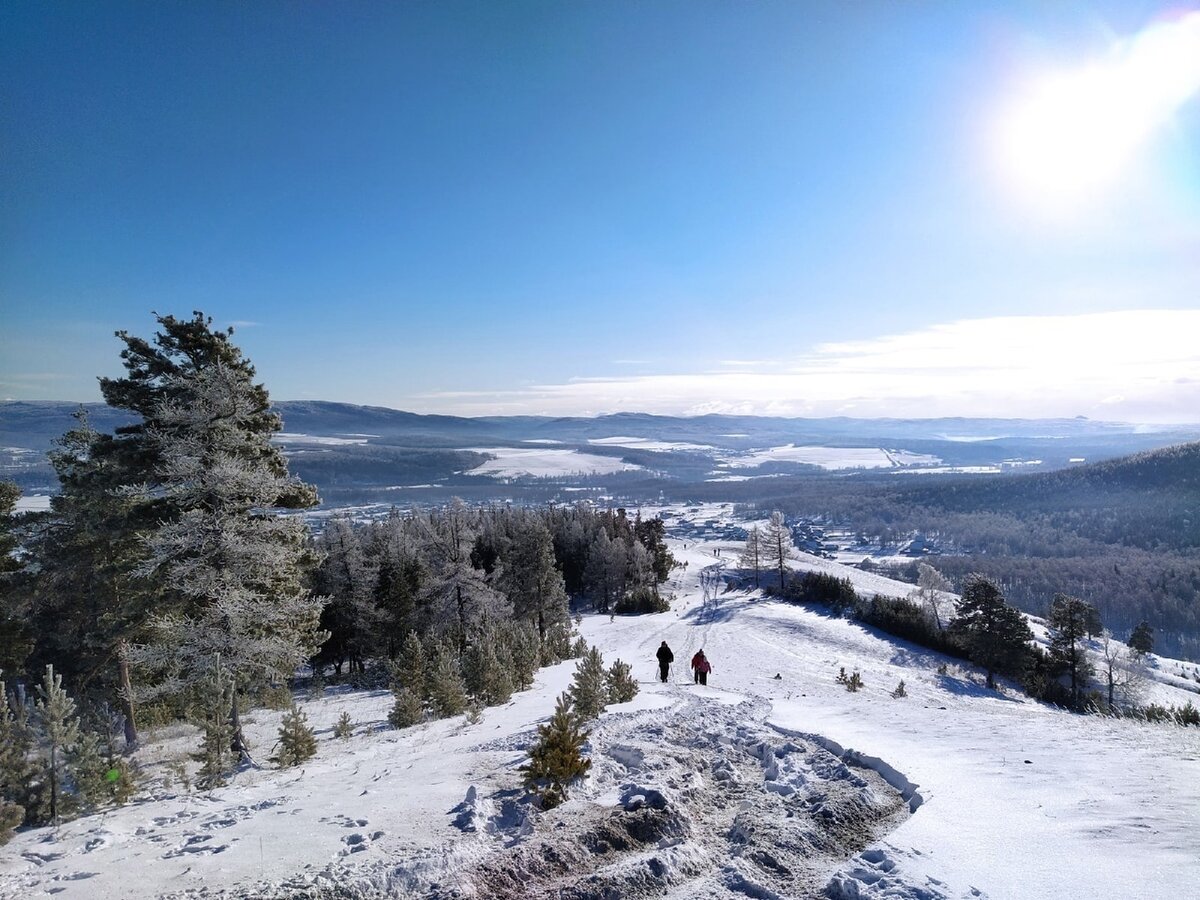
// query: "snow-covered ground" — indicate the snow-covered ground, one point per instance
point(641, 443)
point(833, 457)
point(772, 781)
point(515, 462)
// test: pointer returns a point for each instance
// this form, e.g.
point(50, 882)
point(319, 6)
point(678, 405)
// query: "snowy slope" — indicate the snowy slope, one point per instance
point(753, 786)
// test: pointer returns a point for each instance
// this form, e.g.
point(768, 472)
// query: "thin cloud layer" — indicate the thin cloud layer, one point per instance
point(1134, 365)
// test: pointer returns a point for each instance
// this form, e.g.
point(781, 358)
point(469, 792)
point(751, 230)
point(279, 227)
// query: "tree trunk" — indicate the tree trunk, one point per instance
point(127, 707)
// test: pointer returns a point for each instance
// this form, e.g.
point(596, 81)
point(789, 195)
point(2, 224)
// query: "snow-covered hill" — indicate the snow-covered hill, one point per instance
point(772, 781)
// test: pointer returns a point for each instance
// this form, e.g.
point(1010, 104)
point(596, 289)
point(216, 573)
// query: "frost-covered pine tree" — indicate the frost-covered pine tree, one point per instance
point(444, 683)
point(751, 557)
point(457, 595)
point(211, 714)
point(297, 742)
point(59, 731)
point(531, 579)
point(589, 689)
point(557, 758)
point(20, 782)
point(621, 684)
point(350, 616)
point(233, 568)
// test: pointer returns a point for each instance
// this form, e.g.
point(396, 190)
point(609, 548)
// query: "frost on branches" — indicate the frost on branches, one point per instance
point(233, 569)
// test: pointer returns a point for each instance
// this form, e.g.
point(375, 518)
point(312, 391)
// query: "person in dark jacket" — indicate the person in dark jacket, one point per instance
point(701, 667)
point(665, 658)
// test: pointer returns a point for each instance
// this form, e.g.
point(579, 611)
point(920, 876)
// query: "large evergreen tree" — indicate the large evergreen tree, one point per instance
point(233, 569)
point(996, 635)
point(1069, 623)
point(87, 600)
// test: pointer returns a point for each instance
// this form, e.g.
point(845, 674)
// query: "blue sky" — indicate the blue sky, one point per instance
point(574, 208)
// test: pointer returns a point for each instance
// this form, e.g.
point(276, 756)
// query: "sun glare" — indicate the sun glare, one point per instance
point(1070, 134)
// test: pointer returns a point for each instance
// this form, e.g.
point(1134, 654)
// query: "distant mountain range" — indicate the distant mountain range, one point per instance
point(343, 447)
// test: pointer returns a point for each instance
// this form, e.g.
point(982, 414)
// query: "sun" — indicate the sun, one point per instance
point(1070, 135)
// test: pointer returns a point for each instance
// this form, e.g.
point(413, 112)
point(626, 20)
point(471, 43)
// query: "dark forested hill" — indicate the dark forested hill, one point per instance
point(1123, 534)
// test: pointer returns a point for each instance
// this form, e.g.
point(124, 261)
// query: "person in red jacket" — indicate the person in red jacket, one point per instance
point(701, 666)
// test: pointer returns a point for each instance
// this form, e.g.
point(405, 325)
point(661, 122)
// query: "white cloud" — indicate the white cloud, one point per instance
point(1137, 365)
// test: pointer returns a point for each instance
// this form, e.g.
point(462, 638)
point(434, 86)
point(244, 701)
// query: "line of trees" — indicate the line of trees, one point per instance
point(172, 573)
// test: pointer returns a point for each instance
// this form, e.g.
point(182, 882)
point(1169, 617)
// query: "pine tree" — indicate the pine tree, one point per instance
point(996, 636)
point(408, 670)
point(16, 641)
point(557, 759)
point(620, 682)
point(344, 727)
point(86, 598)
point(297, 742)
point(11, 815)
point(350, 616)
point(446, 689)
point(1141, 639)
point(458, 595)
point(531, 579)
point(59, 728)
point(235, 568)
point(777, 546)
point(521, 642)
point(407, 709)
point(488, 679)
point(589, 689)
point(1068, 624)
point(212, 715)
point(751, 557)
point(21, 787)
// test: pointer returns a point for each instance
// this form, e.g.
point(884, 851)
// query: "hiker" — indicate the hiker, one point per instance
point(665, 658)
point(701, 666)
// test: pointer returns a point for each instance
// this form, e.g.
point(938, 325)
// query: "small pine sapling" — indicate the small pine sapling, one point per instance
point(854, 683)
point(842, 678)
point(60, 734)
point(579, 647)
point(344, 728)
point(589, 690)
point(297, 742)
point(407, 709)
point(447, 691)
point(557, 758)
point(621, 685)
point(900, 690)
point(408, 670)
point(217, 731)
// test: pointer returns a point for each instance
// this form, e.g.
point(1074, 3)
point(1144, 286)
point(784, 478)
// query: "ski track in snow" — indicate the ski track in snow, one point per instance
point(754, 786)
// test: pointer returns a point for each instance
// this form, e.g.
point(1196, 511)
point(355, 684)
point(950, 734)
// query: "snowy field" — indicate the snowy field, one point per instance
point(515, 462)
point(639, 443)
point(833, 458)
point(773, 781)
